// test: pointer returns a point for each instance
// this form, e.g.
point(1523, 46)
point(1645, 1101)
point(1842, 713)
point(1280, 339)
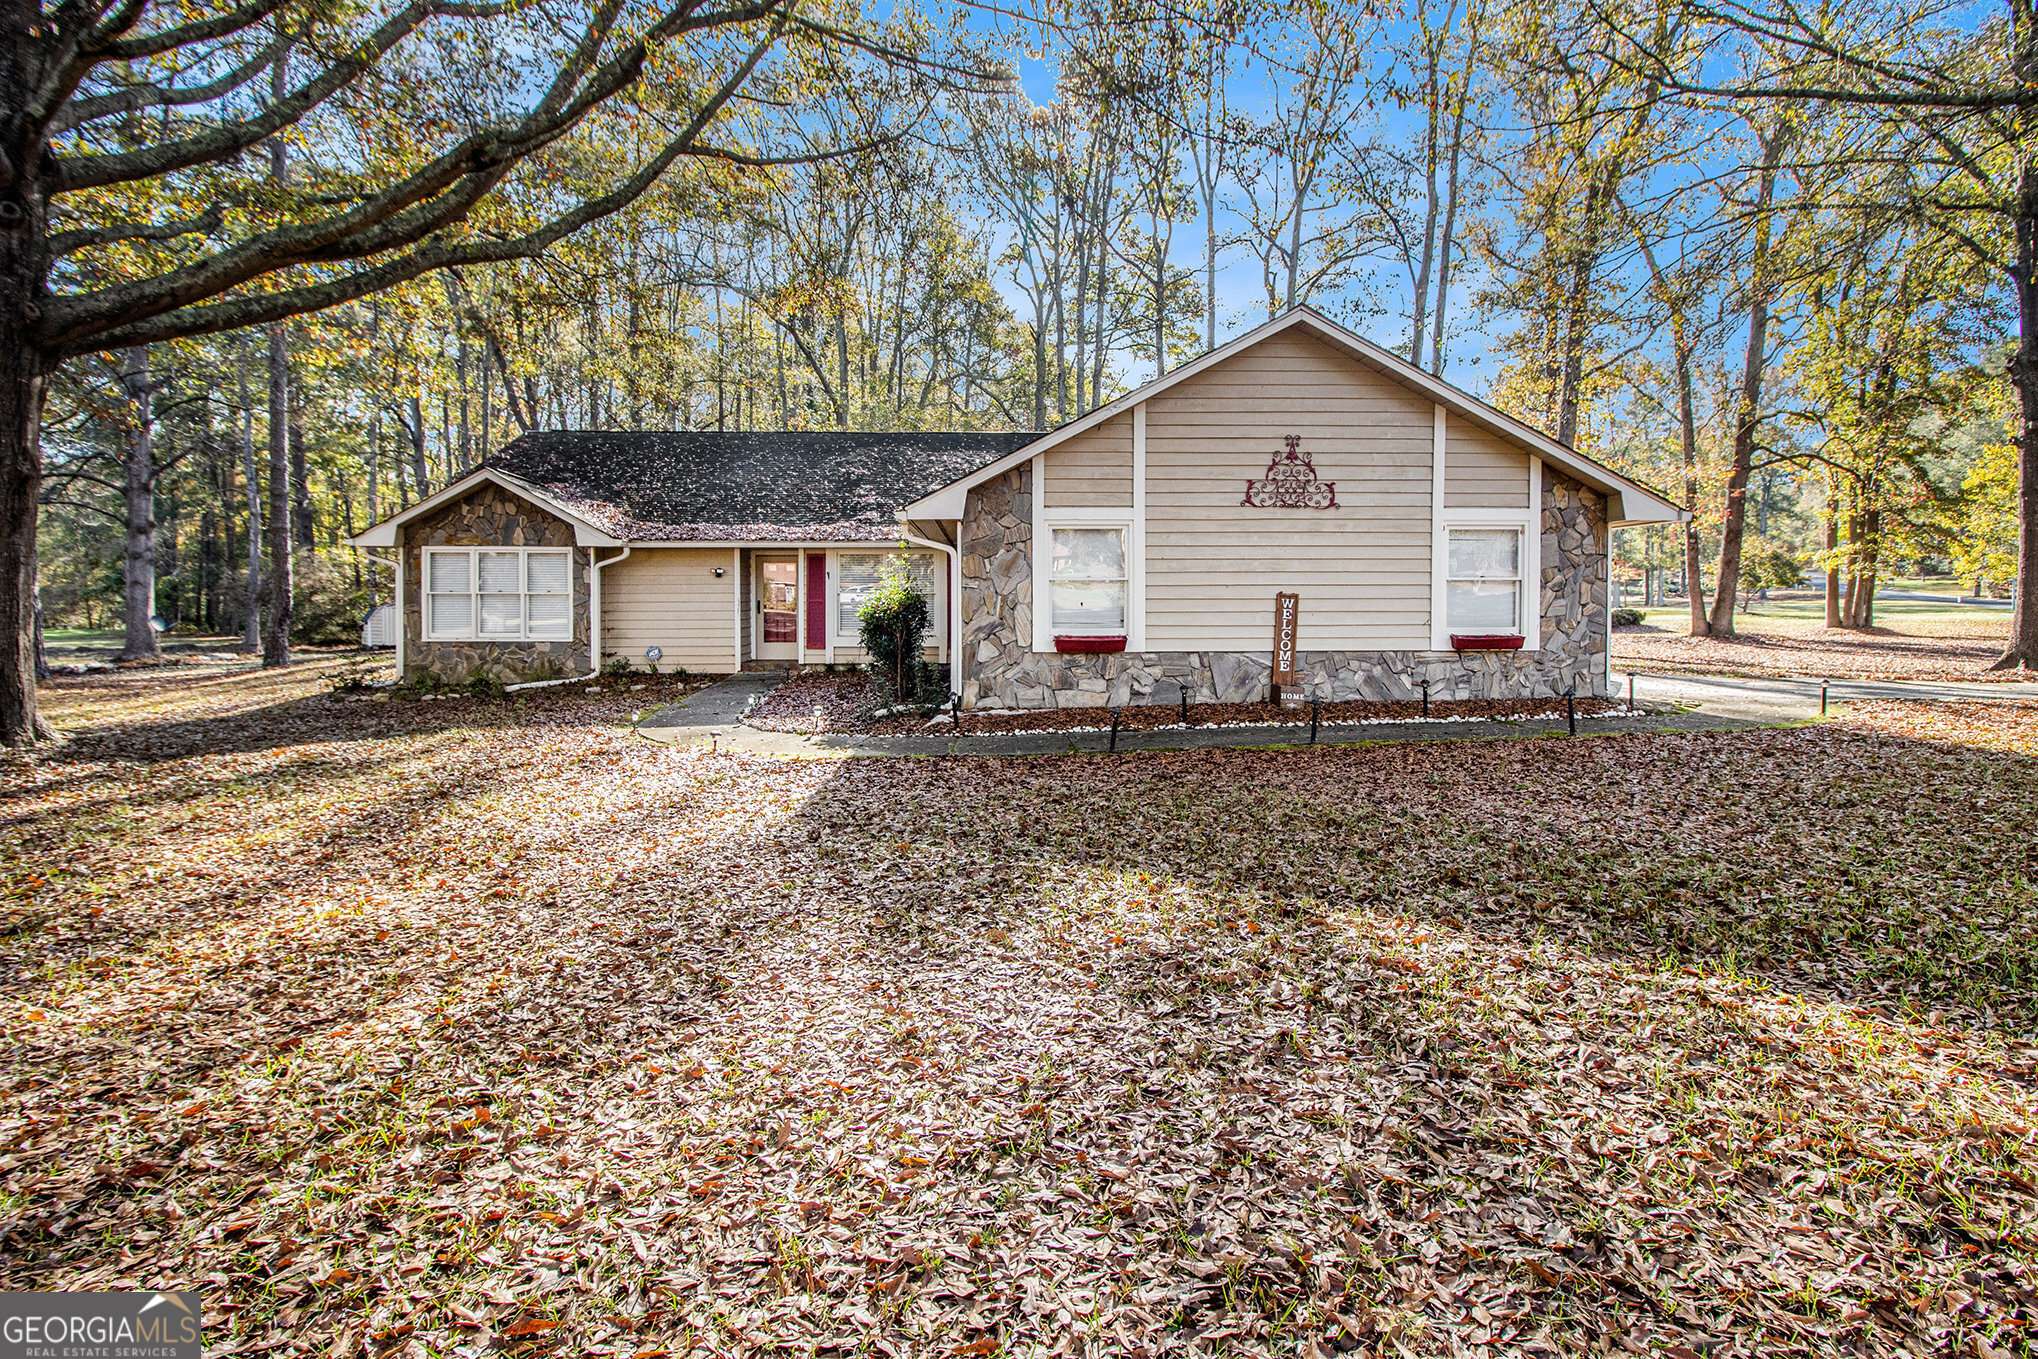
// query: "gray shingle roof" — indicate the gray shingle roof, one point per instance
point(722, 487)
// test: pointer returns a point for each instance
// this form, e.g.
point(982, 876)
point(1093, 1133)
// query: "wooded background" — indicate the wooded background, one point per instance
point(1765, 265)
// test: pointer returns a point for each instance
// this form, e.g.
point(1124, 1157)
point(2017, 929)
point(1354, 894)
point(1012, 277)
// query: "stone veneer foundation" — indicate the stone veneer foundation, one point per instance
point(1000, 669)
point(489, 517)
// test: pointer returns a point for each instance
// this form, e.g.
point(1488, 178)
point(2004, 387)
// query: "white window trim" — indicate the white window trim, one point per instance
point(1529, 600)
point(473, 632)
point(1043, 611)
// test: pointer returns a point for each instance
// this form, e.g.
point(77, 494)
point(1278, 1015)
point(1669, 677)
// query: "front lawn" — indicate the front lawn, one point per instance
point(1788, 638)
point(452, 1027)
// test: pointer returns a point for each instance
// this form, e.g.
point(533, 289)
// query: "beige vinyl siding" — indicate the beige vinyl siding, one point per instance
point(1482, 470)
point(1214, 565)
point(671, 598)
point(1093, 469)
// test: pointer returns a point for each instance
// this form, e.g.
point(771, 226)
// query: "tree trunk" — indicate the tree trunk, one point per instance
point(1450, 223)
point(42, 656)
point(301, 521)
point(1687, 433)
point(419, 480)
point(251, 629)
point(280, 583)
point(24, 380)
point(22, 388)
point(277, 587)
point(138, 559)
point(1748, 409)
point(1832, 565)
point(2023, 648)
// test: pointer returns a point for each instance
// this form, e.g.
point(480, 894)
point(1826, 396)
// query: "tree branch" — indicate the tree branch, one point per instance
point(85, 238)
point(177, 321)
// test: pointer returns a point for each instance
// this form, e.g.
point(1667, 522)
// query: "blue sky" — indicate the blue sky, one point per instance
point(1470, 360)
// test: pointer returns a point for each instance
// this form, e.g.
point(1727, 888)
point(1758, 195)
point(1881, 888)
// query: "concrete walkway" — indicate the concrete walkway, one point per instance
point(713, 711)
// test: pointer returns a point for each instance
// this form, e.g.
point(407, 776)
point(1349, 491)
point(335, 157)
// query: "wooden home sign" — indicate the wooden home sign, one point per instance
point(1286, 607)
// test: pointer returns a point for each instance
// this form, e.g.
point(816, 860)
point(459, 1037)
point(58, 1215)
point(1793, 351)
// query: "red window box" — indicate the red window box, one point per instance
point(1487, 641)
point(1088, 645)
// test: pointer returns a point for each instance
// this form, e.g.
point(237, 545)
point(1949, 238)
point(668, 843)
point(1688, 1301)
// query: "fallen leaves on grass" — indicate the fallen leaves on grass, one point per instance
point(1788, 648)
point(1710, 1043)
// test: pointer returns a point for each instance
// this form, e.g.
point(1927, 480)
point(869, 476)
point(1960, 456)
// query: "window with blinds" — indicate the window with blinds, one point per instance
point(496, 594)
point(857, 575)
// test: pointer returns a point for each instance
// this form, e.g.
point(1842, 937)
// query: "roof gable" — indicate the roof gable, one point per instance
point(1630, 501)
point(586, 532)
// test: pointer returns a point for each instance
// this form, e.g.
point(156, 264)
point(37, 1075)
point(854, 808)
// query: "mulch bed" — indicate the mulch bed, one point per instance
point(1163, 716)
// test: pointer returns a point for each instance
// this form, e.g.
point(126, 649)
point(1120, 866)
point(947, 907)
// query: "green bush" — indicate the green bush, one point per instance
point(894, 620)
point(1627, 618)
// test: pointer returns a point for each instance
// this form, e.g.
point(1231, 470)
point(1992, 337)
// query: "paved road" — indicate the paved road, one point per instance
point(1786, 699)
point(1942, 599)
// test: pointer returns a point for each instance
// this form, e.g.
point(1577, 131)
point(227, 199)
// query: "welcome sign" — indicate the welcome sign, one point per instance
point(1286, 609)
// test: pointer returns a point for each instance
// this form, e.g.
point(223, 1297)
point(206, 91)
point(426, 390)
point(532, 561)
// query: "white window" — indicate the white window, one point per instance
point(1484, 581)
point(498, 594)
point(856, 575)
point(1086, 582)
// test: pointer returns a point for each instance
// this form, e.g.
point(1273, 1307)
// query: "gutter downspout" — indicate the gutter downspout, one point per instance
point(954, 553)
point(594, 569)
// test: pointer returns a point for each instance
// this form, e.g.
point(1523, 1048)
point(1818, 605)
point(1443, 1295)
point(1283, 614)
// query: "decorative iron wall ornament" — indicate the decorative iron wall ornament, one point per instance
point(1290, 483)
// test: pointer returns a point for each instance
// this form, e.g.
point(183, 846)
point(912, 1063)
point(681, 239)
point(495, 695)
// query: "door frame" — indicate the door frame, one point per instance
point(760, 649)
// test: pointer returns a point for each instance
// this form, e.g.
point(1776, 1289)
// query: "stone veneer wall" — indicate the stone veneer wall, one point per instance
point(489, 517)
point(1000, 670)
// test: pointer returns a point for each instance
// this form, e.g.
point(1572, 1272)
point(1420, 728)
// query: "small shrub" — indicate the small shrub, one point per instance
point(485, 686)
point(1627, 618)
point(350, 682)
point(893, 629)
point(616, 667)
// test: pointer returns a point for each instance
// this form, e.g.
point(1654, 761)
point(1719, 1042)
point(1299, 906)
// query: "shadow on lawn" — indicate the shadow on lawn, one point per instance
point(801, 946)
point(1864, 868)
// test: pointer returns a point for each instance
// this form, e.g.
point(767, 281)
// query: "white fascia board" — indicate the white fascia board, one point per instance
point(1628, 501)
point(784, 544)
point(585, 534)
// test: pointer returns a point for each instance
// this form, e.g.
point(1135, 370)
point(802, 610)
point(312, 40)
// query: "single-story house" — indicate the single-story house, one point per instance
point(1298, 498)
